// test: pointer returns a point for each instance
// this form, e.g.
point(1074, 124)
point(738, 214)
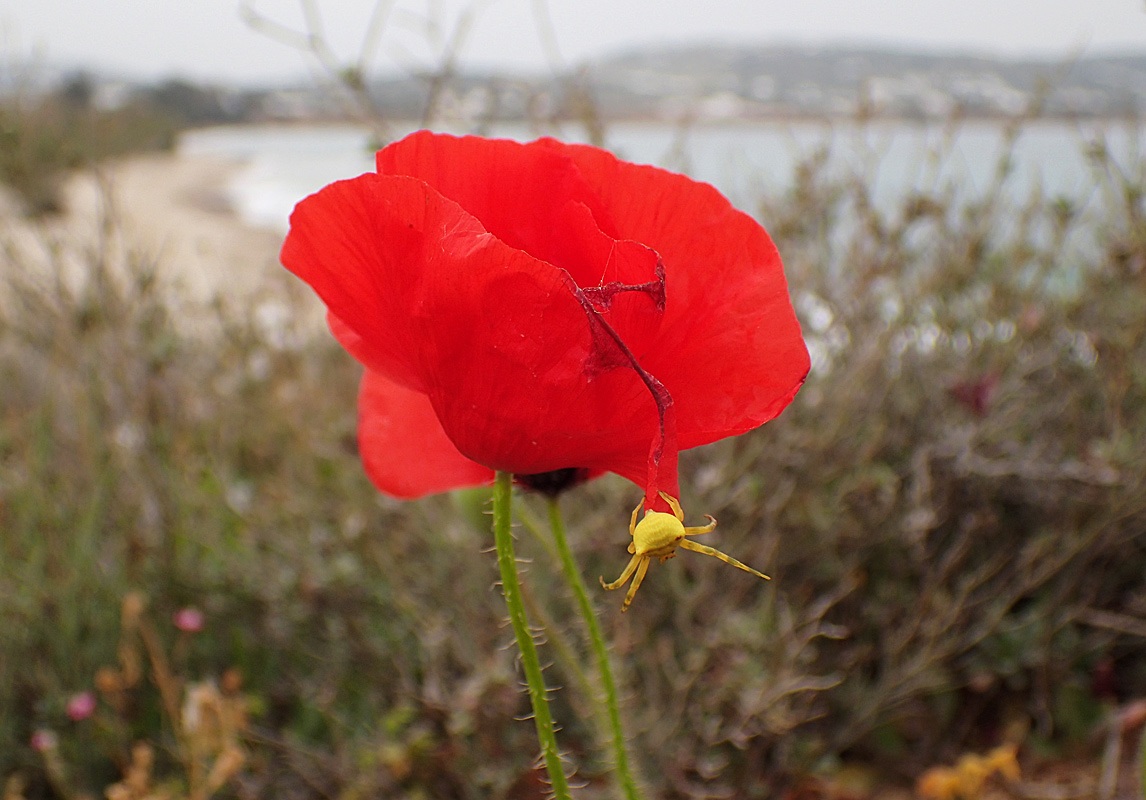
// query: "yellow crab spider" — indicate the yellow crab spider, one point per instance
point(657, 536)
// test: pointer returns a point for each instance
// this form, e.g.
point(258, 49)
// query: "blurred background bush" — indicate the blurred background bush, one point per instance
point(953, 511)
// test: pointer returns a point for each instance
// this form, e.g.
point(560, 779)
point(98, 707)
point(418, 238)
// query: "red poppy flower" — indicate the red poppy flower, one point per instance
point(544, 306)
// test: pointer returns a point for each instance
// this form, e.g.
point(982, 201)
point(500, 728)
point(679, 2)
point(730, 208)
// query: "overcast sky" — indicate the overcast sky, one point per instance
point(207, 39)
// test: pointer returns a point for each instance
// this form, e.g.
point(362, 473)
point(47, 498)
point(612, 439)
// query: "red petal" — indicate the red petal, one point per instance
point(404, 449)
point(729, 348)
point(519, 193)
point(534, 198)
point(494, 337)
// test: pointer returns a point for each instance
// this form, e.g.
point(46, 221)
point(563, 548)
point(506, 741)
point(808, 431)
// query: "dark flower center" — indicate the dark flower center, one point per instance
point(554, 482)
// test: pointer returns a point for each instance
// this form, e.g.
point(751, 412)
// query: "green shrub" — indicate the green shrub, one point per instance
point(953, 512)
point(43, 140)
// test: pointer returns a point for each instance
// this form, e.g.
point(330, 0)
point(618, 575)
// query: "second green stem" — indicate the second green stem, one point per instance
point(573, 576)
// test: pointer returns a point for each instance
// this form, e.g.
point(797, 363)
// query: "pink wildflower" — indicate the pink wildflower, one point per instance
point(44, 740)
point(81, 706)
point(189, 619)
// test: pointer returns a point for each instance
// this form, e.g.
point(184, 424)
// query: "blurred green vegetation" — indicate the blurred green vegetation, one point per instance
point(953, 511)
point(45, 136)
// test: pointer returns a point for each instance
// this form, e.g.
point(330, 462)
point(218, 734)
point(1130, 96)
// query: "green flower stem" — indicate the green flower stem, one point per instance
point(573, 575)
point(507, 563)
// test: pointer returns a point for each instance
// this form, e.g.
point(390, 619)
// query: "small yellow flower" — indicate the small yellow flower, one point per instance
point(938, 783)
point(966, 779)
point(1003, 760)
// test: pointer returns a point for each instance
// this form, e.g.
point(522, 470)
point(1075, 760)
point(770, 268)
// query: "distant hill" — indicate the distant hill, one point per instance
point(763, 81)
point(716, 82)
point(743, 82)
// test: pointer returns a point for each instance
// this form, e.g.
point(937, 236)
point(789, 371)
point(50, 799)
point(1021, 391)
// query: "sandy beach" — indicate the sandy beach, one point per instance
point(165, 212)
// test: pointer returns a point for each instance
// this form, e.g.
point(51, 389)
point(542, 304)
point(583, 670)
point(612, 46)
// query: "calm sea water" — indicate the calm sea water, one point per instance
point(745, 161)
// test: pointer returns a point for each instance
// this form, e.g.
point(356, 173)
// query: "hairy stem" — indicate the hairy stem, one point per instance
point(573, 576)
point(507, 563)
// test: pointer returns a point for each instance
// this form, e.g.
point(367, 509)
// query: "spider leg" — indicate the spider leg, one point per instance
point(696, 531)
point(636, 583)
point(633, 520)
point(624, 575)
point(709, 551)
point(673, 504)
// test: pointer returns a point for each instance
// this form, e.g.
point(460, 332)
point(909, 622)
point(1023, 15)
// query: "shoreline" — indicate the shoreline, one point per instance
point(172, 209)
point(163, 214)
